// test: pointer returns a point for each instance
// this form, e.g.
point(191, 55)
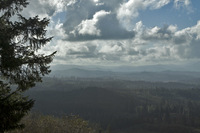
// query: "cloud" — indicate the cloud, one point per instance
point(95, 19)
point(181, 3)
point(55, 30)
point(103, 25)
point(98, 32)
point(188, 41)
point(155, 47)
point(86, 51)
point(168, 41)
point(88, 27)
point(129, 10)
point(156, 33)
point(116, 48)
point(189, 34)
point(44, 8)
point(90, 20)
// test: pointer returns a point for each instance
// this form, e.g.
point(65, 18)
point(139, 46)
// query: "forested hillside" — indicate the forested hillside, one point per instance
point(123, 106)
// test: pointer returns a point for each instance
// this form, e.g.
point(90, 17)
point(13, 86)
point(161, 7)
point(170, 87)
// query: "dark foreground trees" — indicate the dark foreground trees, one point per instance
point(20, 66)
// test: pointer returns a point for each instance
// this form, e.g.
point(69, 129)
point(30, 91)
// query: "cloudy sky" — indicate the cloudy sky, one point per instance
point(121, 32)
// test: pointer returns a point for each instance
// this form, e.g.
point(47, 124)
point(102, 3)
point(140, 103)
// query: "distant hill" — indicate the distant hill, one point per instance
point(77, 72)
point(192, 67)
point(163, 76)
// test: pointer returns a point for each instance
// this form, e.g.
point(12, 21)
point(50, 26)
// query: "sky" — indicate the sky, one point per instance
point(120, 32)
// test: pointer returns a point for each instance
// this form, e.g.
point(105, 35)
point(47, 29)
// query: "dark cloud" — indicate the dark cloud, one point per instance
point(111, 29)
point(180, 39)
point(195, 47)
point(133, 52)
point(189, 51)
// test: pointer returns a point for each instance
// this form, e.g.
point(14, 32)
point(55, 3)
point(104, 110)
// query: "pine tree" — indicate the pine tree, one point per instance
point(20, 65)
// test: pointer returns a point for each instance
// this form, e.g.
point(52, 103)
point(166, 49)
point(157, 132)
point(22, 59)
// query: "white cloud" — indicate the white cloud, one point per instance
point(59, 5)
point(98, 3)
point(44, 8)
point(181, 3)
point(71, 2)
point(130, 10)
point(103, 40)
point(188, 35)
point(156, 33)
point(102, 24)
point(89, 26)
point(111, 49)
point(177, 45)
point(55, 29)
point(168, 41)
